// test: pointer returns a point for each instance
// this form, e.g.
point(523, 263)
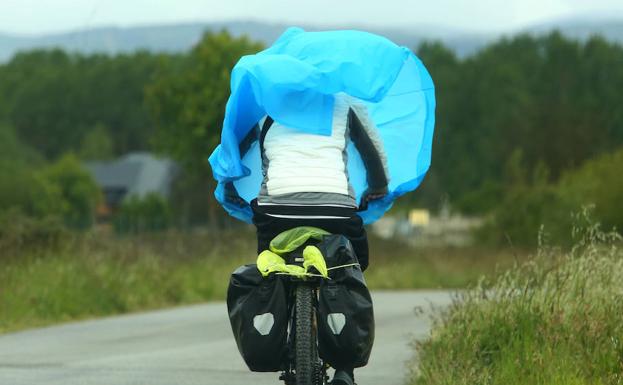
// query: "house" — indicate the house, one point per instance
point(134, 174)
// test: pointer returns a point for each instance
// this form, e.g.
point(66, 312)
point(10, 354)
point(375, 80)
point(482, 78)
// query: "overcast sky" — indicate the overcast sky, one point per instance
point(43, 16)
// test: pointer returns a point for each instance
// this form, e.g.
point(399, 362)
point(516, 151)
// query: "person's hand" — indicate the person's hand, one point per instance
point(231, 196)
point(371, 195)
point(236, 200)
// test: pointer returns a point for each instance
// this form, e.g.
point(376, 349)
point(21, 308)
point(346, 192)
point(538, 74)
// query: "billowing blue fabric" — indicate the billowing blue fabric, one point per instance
point(294, 81)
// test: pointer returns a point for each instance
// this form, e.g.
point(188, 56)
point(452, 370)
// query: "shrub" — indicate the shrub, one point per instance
point(20, 186)
point(23, 189)
point(97, 144)
point(76, 189)
point(523, 211)
point(598, 182)
point(13, 150)
point(20, 233)
point(554, 320)
point(149, 213)
point(528, 206)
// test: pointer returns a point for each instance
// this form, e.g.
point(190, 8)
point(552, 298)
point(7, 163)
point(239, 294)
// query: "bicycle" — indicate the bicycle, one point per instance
point(286, 313)
point(304, 366)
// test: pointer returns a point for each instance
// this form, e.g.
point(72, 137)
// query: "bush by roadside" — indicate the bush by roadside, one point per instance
point(21, 232)
point(137, 215)
point(531, 201)
point(553, 320)
point(62, 189)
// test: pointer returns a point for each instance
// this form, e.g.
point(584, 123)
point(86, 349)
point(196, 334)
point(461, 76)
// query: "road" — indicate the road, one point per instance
point(190, 346)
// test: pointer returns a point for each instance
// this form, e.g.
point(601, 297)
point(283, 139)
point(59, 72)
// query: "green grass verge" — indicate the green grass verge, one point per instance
point(395, 265)
point(555, 320)
point(95, 274)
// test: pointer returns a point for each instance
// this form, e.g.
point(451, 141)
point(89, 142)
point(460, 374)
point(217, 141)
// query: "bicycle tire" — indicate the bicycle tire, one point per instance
point(306, 347)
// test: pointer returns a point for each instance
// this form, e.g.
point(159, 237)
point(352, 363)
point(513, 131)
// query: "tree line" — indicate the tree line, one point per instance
point(524, 111)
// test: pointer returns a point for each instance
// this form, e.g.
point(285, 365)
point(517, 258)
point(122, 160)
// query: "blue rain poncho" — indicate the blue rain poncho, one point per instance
point(294, 82)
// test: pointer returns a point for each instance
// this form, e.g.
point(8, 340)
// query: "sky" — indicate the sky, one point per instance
point(46, 16)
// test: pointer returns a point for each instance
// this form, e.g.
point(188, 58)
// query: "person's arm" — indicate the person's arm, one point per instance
point(256, 134)
point(365, 137)
point(231, 194)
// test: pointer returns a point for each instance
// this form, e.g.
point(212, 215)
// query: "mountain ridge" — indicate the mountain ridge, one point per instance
point(182, 36)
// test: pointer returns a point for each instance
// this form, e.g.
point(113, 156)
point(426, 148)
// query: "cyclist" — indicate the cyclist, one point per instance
point(306, 182)
point(322, 162)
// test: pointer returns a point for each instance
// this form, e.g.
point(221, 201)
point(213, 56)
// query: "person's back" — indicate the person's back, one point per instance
point(305, 176)
point(302, 179)
point(301, 168)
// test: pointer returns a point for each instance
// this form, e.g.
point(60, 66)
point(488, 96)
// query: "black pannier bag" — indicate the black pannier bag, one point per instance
point(345, 313)
point(258, 314)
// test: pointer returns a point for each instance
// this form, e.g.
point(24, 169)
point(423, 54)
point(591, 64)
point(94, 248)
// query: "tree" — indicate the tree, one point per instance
point(555, 99)
point(444, 69)
point(97, 144)
point(142, 214)
point(77, 191)
point(597, 182)
point(188, 104)
point(20, 188)
point(53, 99)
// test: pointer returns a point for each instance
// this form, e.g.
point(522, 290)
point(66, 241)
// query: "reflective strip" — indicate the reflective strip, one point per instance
point(302, 205)
point(263, 323)
point(344, 266)
point(305, 216)
point(336, 322)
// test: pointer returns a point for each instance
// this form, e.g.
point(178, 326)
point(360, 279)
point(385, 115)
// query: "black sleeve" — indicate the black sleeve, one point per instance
point(377, 180)
point(231, 194)
point(248, 140)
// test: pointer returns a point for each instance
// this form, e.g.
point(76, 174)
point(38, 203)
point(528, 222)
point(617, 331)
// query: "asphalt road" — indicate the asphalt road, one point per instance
point(190, 346)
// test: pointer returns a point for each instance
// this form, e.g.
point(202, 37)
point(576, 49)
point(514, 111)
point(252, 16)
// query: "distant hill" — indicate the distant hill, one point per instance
point(583, 29)
point(180, 37)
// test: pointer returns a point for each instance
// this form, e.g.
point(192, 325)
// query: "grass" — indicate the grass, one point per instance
point(98, 274)
point(553, 320)
point(94, 275)
point(395, 265)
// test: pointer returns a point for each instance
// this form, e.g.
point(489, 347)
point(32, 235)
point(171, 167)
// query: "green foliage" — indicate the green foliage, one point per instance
point(598, 182)
point(76, 191)
point(189, 96)
point(21, 188)
point(554, 320)
point(444, 68)
point(21, 232)
point(29, 204)
point(525, 205)
point(13, 150)
point(529, 204)
point(97, 144)
point(62, 189)
point(96, 275)
point(191, 200)
point(53, 99)
point(137, 215)
point(555, 99)
point(522, 212)
point(187, 102)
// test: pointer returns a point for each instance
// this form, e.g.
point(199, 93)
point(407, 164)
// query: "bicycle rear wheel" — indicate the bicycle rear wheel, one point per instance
point(306, 346)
